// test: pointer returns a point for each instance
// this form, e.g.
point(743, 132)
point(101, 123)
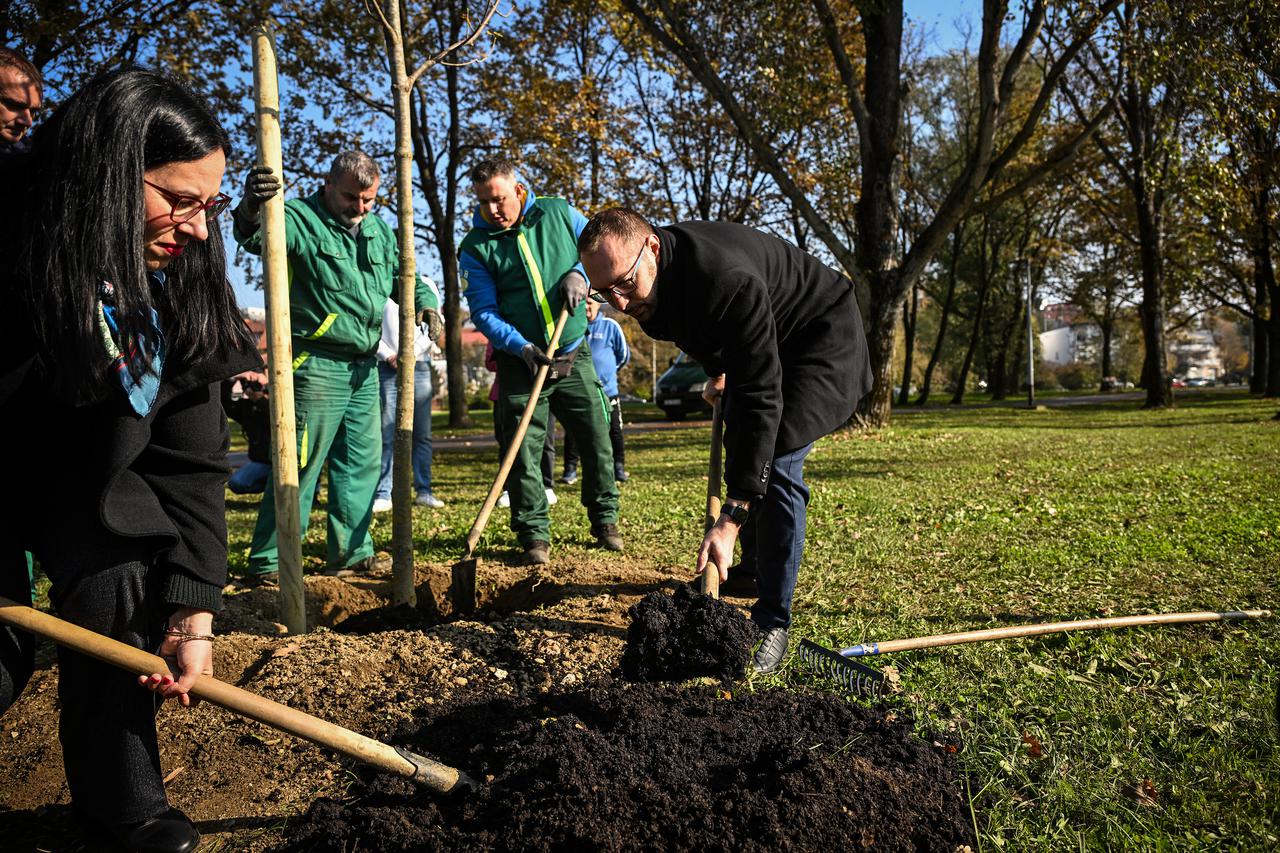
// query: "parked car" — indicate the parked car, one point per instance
point(1200, 382)
point(680, 388)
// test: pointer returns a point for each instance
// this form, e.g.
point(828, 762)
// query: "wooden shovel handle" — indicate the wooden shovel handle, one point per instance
point(432, 774)
point(1049, 628)
point(714, 467)
point(473, 537)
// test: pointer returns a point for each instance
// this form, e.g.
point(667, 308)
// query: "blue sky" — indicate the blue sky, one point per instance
point(937, 18)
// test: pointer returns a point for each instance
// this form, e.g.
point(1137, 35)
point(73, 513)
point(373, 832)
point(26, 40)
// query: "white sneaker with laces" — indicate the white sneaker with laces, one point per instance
point(551, 497)
point(505, 500)
point(382, 504)
point(428, 499)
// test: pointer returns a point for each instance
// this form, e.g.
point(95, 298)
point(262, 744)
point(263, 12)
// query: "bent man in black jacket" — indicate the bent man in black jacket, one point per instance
point(782, 337)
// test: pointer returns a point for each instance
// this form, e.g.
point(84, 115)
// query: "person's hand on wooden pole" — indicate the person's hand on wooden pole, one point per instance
point(260, 184)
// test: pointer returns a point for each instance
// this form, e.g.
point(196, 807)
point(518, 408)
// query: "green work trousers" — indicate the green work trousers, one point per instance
point(579, 404)
point(336, 402)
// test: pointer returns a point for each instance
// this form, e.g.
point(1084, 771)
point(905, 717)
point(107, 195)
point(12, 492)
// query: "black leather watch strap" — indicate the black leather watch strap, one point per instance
point(736, 514)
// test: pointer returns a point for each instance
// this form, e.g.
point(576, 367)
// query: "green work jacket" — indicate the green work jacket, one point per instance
point(338, 283)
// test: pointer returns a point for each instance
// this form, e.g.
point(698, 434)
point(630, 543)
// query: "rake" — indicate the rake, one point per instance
point(862, 680)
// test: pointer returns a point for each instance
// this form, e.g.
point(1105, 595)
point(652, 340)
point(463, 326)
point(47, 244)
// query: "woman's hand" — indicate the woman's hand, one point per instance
point(188, 649)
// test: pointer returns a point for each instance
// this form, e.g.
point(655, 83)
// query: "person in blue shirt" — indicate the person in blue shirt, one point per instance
point(609, 353)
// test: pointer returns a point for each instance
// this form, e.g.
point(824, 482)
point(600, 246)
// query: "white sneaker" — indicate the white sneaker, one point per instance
point(551, 497)
point(505, 500)
point(382, 504)
point(428, 499)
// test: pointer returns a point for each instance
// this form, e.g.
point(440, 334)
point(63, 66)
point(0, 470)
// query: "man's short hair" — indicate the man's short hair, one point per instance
point(358, 165)
point(491, 167)
point(621, 222)
point(10, 58)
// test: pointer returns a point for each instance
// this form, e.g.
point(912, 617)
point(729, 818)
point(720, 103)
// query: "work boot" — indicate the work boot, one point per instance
point(607, 536)
point(772, 650)
point(369, 565)
point(536, 553)
point(570, 475)
point(260, 579)
point(620, 474)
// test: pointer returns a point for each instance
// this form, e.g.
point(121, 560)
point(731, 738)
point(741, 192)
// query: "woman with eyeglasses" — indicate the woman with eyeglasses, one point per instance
point(121, 325)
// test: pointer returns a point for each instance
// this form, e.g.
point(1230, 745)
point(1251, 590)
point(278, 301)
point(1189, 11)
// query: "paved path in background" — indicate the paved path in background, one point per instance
point(480, 442)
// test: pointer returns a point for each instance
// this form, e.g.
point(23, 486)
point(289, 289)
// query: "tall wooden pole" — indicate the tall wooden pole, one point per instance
point(284, 428)
point(402, 591)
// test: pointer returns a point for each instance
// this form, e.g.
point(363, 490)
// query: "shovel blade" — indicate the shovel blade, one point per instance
point(858, 678)
point(462, 586)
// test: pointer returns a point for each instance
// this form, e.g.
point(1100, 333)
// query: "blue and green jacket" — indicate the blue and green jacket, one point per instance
point(511, 276)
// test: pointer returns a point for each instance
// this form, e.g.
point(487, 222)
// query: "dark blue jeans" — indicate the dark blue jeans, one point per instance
point(773, 539)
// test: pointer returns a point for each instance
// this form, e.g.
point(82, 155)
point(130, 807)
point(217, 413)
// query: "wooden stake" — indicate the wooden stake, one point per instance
point(284, 431)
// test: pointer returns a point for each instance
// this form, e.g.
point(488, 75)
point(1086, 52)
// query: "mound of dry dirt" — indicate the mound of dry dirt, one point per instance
point(686, 635)
point(644, 767)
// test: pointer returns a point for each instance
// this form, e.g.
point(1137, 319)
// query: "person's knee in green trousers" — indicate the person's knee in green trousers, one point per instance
point(336, 403)
point(579, 404)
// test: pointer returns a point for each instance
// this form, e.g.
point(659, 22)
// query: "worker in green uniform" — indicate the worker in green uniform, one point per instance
point(343, 267)
point(519, 267)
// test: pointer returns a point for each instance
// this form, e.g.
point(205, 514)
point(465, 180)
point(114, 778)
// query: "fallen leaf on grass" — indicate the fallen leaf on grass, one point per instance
point(1035, 748)
point(1143, 793)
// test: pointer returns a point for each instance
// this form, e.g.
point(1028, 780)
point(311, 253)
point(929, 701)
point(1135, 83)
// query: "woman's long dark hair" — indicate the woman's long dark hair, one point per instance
point(82, 223)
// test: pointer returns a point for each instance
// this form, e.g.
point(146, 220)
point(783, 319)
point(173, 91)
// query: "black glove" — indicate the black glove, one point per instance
point(435, 324)
point(534, 358)
point(573, 289)
point(260, 184)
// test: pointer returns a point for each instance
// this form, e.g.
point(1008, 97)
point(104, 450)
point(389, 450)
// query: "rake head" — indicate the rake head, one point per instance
point(858, 678)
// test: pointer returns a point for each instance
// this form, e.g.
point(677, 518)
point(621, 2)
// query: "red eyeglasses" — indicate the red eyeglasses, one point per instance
point(185, 207)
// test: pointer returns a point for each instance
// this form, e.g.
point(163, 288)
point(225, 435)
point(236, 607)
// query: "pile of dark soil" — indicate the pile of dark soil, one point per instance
point(686, 635)
point(645, 767)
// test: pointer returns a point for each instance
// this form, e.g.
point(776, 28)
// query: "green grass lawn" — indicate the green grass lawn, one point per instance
point(1139, 739)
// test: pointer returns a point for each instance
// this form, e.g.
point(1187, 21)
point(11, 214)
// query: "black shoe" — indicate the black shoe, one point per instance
point(607, 536)
point(260, 579)
point(620, 474)
point(772, 650)
point(171, 832)
point(537, 553)
point(570, 476)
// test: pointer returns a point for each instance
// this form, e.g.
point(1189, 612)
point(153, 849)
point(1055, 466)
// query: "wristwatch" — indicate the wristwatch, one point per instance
point(735, 513)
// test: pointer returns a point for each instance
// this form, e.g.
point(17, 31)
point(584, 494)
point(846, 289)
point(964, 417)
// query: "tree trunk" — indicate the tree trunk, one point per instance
point(984, 283)
point(909, 341)
point(1108, 327)
point(402, 588)
point(1155, 363)
point(948, 302)
point(876, 212)
point(1264, 276)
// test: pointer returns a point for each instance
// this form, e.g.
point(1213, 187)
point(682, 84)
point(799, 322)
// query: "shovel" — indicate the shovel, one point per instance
point(711, 574)
point(862, 680)
point(426, 772)
point(462, 586)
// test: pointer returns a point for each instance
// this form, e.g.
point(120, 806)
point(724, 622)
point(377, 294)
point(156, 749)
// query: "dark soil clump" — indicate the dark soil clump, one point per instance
point(686, 635)
point(647, 767)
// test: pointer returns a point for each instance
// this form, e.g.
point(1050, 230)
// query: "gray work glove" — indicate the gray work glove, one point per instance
point(573, 288)
point(534, 358)
point(435, 324)
point(260, 184)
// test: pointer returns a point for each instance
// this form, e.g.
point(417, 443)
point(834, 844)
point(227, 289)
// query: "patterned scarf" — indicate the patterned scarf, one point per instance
point(149, 356)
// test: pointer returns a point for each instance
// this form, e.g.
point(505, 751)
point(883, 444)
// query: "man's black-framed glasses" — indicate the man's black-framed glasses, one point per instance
point(624, 285)
point(185, 207)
